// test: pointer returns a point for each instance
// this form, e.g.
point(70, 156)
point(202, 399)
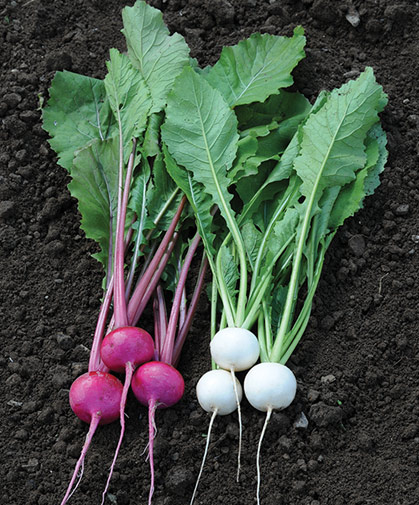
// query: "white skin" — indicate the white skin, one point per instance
point(217, 392)
point(235, 349)
point(268, 387)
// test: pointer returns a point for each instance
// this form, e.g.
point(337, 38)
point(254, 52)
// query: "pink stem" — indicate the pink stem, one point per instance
point(163, 317)
point(94, 361)
point(151, 435)
point(167, 353)
point(92, 428)
point(182, 310)
point(129, 370)
point(146, 278)
point(184, 329)
point(153, 283)
point(156, 328)
point(120, 310)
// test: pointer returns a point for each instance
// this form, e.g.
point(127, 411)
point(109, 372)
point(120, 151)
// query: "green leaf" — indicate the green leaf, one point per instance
point(95, 185)
point(246, 149)
point(272, 185)
point(200, 202)
point(283, 230)
point(351, 196)
point(372, 180)
point(201, 134)
point(77, 113)
point(279, 296)
point(332, 146)
point(230, 271)
point(138, 200)
point(256, 67)
point(276, 109)
point(128, 96)
point(159, 56)
point(252, 238)
point(160, 191)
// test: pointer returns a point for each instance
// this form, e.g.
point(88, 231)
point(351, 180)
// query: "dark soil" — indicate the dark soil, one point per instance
point(357, 366)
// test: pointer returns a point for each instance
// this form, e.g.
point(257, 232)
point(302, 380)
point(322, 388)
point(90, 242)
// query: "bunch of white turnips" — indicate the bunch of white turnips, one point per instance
point(267, 386)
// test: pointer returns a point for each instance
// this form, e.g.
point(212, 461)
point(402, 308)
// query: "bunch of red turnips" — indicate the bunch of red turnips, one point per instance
point(169, 161)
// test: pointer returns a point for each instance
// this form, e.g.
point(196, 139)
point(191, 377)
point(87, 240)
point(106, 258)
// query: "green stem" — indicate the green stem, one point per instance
point(255, 296)
point(261, 253)
point(262, 338)
point(224, 294)
point(232, 224)
point(268, 329)
point(254, 309)
point(300, 324)
point(214, 299)
point(292, 287)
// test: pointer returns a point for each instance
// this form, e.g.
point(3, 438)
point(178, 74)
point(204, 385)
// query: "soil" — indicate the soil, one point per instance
point(357, 365)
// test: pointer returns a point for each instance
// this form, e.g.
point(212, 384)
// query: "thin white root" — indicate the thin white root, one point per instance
point(79, 480)
point(240, 424)
point(205, 455)
point(268, 416)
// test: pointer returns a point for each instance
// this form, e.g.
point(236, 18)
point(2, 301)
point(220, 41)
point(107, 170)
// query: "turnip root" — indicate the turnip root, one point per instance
point(94, 398)
point(156, 385)
point(218, 392)
point(268, 387)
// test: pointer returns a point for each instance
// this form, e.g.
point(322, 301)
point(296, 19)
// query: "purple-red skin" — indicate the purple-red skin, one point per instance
point(126, 344)
point(158, 382)
point(96, 394)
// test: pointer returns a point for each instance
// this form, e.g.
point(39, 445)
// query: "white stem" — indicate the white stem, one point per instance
point(240, 423)
point(205, 455)
point(268, 416)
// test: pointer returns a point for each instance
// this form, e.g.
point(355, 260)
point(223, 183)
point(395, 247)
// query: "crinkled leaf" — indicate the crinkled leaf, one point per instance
point(372, 180)
point(273, 111)
point(201, 134)
point(159, 56)
point(351, 196)
point(77, 113)
point(332, 146)
point(128, 96)
point(257, 67)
